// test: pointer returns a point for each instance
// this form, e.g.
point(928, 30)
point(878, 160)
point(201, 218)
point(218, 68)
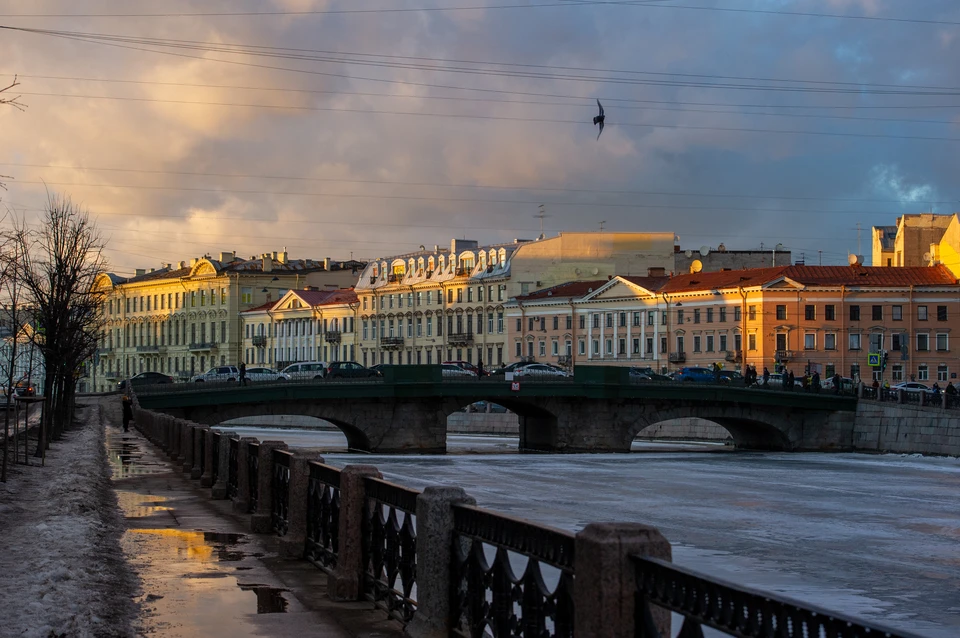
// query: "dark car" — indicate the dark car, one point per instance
point(348, 369)
point(24, 389)
point(647, 374)
point(145, 378)
point(732, 377)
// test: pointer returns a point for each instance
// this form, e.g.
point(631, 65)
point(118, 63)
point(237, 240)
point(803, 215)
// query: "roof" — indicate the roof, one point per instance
point(261, 307)
point(653, 284)
point(326, 297)
point(887, 236)
point(938, 275)
point(722, 279)
point(568, 289)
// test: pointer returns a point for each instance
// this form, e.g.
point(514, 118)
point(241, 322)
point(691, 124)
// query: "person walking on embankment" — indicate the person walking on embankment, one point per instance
point(127, 412)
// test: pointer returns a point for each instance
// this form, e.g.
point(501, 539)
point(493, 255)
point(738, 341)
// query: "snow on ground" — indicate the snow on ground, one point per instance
point(61, 569)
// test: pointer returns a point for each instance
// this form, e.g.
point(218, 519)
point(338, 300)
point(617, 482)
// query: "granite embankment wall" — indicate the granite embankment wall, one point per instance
point(906, 429)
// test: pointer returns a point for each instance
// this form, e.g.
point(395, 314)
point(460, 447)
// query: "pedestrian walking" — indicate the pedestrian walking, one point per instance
point(127, 412)
point(766, 377)
point(479, 368)
point(243, 373)
point(816, 382)
point(836, 383)
point(790, 381)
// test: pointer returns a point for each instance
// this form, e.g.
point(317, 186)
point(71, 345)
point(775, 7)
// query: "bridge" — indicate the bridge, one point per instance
point(599, 409)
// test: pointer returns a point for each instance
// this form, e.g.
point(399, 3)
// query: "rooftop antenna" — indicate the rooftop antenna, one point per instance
point(540, 215)
point(601, 225)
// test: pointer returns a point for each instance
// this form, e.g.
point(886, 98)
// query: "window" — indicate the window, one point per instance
point(652, 317)
point(459, 295)
point(854, 313)
point(621, 346)
point(530, 324)
point(737, 314)
point(519, 349)
point(781, 312)
point(830, 312)
point(680, 345)
point(923, 342)
point(897, 313)
point(723, 343)
point(810, 312)
point(246, 295)
point(709, 315)
point(581, 347)
point(855, 371)
point(855, 341)
point(519, 325)
point(898, 372)
point(696, 316)
point(569, 322)
point(596, 320)
point(876, 342)
point(751, 342)
point(500, 323)
point(709, 343)
point(923, 372)
point(543, 348)
point(941, 372)
point(556, 323)
point(941, 342)
point(941, 313)
point(450, 295)
point(877, 313)
point(636, 346)
point(555, 348)
point(193, 298)
point(636, 318)
point(623, 319)
point(752, 313)
point(810, 341)
point(921, 313)
point(696, 343)
point(609, 319)
point(679, 317)
point(723, 315)
point(583, 321)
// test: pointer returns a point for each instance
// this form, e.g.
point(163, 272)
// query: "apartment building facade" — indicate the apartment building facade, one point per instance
point(182, 319)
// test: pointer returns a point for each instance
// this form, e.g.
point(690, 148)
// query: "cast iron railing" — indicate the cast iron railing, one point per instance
point(323, 516)
point(870, 392)
point(734, 610)
point(953, 400)
point(233, 471)
point(215, 457)
point(910, 397)
point(488, 596)
point(280, 492)
point(253, 475)
point(390, 547)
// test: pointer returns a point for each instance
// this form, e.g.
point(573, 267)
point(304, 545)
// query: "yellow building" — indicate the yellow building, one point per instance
point(180, 319)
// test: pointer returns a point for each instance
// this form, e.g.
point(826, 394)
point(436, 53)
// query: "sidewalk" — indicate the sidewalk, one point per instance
point(202, 572)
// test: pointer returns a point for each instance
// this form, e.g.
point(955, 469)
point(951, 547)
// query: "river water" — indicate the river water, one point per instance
point(872, 536)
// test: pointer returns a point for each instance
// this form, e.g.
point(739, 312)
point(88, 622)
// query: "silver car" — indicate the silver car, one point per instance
point(305, 370)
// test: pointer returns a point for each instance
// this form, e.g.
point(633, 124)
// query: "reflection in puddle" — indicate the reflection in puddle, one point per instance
point(270, 600)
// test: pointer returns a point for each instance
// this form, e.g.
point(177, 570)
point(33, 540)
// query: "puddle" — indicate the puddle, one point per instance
point(128, 458)
point(270, 600)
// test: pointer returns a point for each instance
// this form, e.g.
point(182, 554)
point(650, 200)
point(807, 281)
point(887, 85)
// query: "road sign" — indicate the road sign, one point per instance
point(873, 359)
point(515, 386)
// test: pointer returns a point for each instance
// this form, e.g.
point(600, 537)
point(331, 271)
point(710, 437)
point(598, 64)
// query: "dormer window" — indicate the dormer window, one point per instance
point(431, 264)
point(420, 264)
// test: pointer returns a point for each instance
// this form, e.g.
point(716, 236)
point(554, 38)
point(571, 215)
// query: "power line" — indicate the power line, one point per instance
point(689, 127)
point(472, 186)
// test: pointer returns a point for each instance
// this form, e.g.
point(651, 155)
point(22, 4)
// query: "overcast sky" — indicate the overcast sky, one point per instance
point(459, 123)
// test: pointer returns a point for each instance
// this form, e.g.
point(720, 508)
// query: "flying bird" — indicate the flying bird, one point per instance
point(599, 119)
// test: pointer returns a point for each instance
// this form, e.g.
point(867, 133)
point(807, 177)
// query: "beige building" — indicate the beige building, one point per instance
point(448, 304)
point(181, 319)
point(707, 259)
point(915, 234)
point(303, 325)
point(884, 242)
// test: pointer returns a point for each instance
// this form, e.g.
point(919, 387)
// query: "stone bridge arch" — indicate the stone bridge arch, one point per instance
point(538, 422)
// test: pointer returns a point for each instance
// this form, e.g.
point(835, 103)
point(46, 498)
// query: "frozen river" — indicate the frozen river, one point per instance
point(873, 536)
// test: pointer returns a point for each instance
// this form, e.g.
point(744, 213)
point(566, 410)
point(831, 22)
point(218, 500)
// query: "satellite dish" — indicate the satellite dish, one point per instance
point(852, 259)
point(689, 254)
point(696, 266)
point(779, 247)
point(596, 271)
point(926, 257)
point(704, 251)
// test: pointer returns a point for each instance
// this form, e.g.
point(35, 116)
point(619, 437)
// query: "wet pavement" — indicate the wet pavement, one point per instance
point(203, 574)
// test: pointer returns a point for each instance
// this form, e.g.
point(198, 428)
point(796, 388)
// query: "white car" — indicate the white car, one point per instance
point(451, 371)
point(218, 373)
point(912, 387)
point(305, 370)
point(776, 381)
point(539, 370)
point(264, 374)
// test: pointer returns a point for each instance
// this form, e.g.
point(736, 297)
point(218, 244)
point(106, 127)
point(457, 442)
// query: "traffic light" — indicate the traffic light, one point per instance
point(883, 367)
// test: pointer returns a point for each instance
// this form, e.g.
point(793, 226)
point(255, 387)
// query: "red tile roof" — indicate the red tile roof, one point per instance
point(653, 284)
point(569, 289)
point(873, 276)
point(722, 279)
point(261, 307)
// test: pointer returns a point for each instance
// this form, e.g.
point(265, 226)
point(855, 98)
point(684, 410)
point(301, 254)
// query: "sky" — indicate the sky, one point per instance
point(365, 128)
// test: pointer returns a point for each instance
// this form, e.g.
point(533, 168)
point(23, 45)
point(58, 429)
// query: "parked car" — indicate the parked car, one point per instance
point(846, 384)
point(647, 374)
point(218, 373)
point(466, 365)
point(305, 370)
point(541, 370)
point(912, 387)
point(451, 371)
point(731, 376)
point(693, 374)
point(24, 389)
point(776, 381)
point(348, 369)
point(144, 378)
point(264, 374)
point(512, 367)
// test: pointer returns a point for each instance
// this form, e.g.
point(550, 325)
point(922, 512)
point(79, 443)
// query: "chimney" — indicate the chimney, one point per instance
point(181, 264)
point(656, 271)
point(226, 257)
point(326, 264)
point(274, 254)
point(140, 272)
point(283, 256)
point(267, 263)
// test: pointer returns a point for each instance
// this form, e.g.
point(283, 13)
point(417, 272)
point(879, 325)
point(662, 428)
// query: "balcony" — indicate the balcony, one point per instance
point(677, 357)
point(332, 336)
point(391, 343)
point(259, 341)
point(784, 355)
point(153, 348)
point(460, 339)
point(201, 346)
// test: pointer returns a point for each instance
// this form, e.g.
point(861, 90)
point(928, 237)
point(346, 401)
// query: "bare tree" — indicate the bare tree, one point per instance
point(15, 103)
point(61, 261)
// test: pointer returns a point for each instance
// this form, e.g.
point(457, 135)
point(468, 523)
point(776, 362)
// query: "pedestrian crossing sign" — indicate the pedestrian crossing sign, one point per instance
point(873, 359)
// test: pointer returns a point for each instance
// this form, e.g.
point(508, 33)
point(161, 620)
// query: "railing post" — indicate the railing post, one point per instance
point(348, 576)
point(241, 503)
point(605, 586)
point(176, 440)
point(186, 452)
point(293, 544)
point(206, 478)
point(199, 432)
point(262, 520)
point(434, 557)
point(219, 490)
point(923, 397)
point(943, 400)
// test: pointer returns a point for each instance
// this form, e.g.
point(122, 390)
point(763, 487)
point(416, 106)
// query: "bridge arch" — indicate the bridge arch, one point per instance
point(538, 424)
point(750, 428)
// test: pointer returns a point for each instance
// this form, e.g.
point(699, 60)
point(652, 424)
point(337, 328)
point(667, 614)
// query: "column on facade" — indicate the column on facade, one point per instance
point(656, 336)
point(629, 343)
point(643, 333)
point(589, 335)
